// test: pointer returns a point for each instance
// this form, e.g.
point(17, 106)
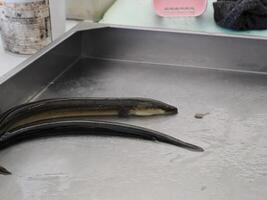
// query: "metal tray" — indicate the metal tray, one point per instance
point(225, 76)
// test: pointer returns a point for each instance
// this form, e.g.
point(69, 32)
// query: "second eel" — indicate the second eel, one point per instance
point(85, 127)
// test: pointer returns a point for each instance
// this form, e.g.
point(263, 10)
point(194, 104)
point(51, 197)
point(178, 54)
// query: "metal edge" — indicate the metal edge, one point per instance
point(224, 35)
point(79, 27)
point(88, 25)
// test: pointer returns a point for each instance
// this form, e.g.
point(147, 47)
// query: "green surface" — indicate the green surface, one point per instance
point(141, 13)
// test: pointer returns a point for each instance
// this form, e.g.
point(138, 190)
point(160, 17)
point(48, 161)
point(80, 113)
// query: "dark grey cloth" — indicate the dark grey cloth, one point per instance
point(241, 14)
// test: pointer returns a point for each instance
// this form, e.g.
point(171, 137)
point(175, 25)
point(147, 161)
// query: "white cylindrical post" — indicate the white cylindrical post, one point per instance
point(58, 17)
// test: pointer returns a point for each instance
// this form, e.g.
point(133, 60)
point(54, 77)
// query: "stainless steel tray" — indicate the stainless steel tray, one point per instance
point(226, 76)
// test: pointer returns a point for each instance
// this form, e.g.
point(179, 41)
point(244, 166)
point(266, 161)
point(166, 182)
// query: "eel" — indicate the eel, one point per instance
point(4, 171)
point(85, 127)
point(81, 108)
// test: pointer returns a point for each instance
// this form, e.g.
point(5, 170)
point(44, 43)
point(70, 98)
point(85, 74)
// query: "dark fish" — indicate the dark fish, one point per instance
point(81, 108)
point(84, 127)
point(4, 171)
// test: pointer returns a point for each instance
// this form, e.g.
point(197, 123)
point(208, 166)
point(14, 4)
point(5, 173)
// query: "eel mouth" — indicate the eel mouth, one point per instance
point(171, 110)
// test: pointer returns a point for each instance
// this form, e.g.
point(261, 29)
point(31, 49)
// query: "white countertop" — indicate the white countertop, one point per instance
point(9, 61)
point(125, 13)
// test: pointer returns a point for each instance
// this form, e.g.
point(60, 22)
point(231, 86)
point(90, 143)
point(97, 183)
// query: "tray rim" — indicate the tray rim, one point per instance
point(88, 25)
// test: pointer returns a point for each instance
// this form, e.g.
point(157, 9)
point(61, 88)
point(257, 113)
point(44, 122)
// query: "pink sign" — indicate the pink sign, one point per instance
point(174, 8)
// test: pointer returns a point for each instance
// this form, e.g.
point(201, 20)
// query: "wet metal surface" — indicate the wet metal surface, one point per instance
point(234, 165)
